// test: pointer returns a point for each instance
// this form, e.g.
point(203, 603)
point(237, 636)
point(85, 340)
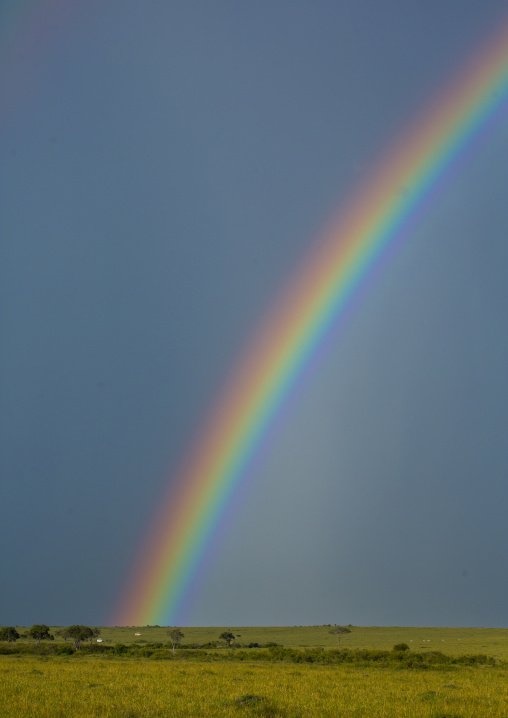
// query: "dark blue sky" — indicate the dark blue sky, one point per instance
point(164, 167)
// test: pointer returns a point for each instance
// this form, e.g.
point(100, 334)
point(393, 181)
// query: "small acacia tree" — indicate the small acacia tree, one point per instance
point(40, 632)
point(175, 636)
point(339, 631)
point(228, 637)
point(8, 633)
point(79, 634)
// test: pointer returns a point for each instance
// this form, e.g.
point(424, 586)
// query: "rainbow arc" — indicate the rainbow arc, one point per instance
point(312, 302)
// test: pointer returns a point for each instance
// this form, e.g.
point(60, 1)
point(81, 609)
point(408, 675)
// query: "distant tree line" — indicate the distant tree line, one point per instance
point(400, 656)
point(78, 635)
point(41, 632)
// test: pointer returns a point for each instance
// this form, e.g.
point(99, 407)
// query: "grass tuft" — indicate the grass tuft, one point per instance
point(259, 705)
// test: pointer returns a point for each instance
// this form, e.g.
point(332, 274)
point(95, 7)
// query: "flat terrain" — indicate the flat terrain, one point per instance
point(452, 641)
point(87, 686)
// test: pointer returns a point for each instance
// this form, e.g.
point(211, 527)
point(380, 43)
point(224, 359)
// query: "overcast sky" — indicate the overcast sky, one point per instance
point(165, 165)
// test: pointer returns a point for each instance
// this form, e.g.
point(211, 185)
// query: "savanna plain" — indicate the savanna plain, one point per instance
point(444, 673)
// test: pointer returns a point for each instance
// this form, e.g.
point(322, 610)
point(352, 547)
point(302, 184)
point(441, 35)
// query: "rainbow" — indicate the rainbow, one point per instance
point(317, 295)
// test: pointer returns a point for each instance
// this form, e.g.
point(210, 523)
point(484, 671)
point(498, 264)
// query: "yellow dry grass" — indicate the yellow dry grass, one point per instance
point(78, 687)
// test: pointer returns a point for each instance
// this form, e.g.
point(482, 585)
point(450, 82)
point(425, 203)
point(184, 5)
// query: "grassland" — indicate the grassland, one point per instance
point(452, 641)
point(137, 686)
point(92, 687)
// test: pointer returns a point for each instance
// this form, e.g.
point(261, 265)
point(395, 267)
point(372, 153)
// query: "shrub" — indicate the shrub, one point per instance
point(97, 648)
point(476, 659)
point(435, 657)
point(65, 650)
point(401, 647)
point(161, 654)
point(7, 650)
point(121, 649)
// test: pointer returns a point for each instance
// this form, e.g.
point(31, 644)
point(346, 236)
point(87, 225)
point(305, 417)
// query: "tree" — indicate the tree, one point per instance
point(40, 632)
point(63, 633)
point(79, 634)
point(175, 636)
point(227, 636)
point(94, 633)
point(339, 631)
point(8, 633)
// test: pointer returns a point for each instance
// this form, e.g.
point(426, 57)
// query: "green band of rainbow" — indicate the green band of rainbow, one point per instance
point(298, 324)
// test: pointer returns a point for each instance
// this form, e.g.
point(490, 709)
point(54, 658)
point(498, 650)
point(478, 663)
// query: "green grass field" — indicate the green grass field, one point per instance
point(62, 687)
point(452, 641)
point(107, 686)
point(140, 687)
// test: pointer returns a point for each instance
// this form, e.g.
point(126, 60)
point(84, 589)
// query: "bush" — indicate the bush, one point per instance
point(435, 657)
point(414, 660)
point(7, 650)
point(121, 649)
point(65, 650)
point(99, 648)
point(401, 647)
point(373, 655)
point(161, 654)
point(479, 659)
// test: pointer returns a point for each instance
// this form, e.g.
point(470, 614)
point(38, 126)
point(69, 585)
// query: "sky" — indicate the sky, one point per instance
point(164, 168)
